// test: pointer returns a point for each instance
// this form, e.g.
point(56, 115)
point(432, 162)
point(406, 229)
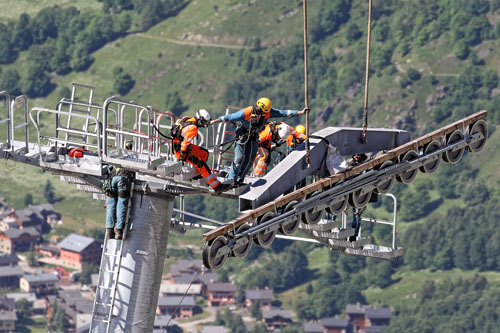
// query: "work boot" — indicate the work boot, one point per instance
point(222, 188)
point(119, 234)
point(110, 233)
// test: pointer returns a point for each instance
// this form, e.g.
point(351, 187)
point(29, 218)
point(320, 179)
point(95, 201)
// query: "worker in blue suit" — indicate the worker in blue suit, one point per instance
point(117, 192)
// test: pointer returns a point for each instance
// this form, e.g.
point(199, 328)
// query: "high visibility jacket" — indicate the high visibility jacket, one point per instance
point(266, 135)
point(294, 138)
point(245, 116)
point(187, 133)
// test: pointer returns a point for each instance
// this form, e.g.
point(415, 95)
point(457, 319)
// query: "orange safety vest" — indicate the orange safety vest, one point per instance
point(291, 140)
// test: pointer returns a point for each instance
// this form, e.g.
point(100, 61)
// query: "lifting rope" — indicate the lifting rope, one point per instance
point(306, 100)
point(365, 120)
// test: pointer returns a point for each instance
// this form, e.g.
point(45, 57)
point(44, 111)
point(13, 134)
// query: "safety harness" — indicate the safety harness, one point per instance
point(176, 132)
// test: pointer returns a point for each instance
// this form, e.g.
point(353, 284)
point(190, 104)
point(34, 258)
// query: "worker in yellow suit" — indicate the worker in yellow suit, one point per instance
point(272, 133)
point(184, 134)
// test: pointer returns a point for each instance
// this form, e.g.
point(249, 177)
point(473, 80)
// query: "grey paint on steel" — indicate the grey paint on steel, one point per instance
point(144, 254)
point(293, 168)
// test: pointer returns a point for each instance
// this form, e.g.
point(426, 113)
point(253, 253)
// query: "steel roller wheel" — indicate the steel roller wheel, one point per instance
point(310, 217)
point(433, 165)
point(243, 250)
point(262, 238)
point(386, 186)
point(478, 127)
point(454, 156)
point(408, 176)
point(338, 207)
point(289, 228)
point(359, 199)
point(210, 251)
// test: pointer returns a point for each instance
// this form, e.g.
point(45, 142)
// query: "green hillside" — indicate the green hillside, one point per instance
point(432, 62)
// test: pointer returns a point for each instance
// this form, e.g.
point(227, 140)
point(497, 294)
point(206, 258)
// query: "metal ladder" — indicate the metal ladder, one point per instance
point(100, 298)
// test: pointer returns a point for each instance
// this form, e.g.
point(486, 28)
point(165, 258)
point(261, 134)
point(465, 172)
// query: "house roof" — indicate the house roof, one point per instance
point(162, 320)
point(176, 300)
point(355, 308)
point(7, 315)
point(75, 243)
point(30, 297)
point(180, 288)
point(259, 294)
point(44, 277)
point(11, 271)
point(214, 329)
point(6, 302)
point(16, 233)
point(203, 279)
point(185, 265)
point(335, 322)
point(379, 313)
point(8, 259)
point(312, 327)
point(269, 314)
point(222, 287)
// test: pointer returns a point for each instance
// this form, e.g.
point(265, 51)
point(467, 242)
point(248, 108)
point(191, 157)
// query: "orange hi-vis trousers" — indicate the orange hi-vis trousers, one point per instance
point(261, 161)
point(197, 157)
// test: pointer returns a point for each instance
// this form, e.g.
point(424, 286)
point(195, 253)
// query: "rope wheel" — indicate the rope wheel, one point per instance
point(289, 228)
point(263, 238)
point(452, 156)
point(311, 216)
point(210, 250)
point(243, 250)
point(386, 186)
point(408, 176)
point(432, 166)
point(478, 127)
point(338, 206)
point(360, 198)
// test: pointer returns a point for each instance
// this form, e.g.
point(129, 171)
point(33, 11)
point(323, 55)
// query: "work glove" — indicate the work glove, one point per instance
point(183, 155)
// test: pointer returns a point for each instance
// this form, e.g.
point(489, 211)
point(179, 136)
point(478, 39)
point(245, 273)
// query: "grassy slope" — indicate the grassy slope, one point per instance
point(194, 53)
point(12, 9)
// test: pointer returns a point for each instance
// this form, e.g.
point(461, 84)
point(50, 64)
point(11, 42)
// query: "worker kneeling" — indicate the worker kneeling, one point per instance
point(272, 133)
point(184, 134)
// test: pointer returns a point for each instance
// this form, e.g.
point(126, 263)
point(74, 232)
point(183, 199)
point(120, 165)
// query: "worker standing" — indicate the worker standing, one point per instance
point(251, 121)
point(117, 195)
point(272, 133)
point(184, 134)
point(296, 137)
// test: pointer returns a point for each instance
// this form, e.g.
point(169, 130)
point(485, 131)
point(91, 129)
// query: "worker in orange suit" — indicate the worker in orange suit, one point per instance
point(296, 137)
point(184, 134)
point(272, 133)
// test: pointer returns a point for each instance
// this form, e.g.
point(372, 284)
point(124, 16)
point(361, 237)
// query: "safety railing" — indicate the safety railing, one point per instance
point(6, 120)
point(24, 125)
point(120, 132)
point(55, 141)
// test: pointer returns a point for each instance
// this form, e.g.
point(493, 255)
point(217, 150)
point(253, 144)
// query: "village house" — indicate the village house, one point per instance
point(262, 296)
point(41, 284)
point(363, 316)
point(48, 250)
point(168, 305)
point(161, 322)
point(74, 304)
point(8, 321)
point(38, 217)
point(180, 289)
point(276, 319)
point(313, 327)
point(9, 260)
point(77, 249)
point(221, 294)
point(335, 325)
point(9, 277)
point(18, 240)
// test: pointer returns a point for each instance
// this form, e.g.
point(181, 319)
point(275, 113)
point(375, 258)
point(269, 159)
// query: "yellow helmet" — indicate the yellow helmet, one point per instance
point(300, 129)
point(264, 104)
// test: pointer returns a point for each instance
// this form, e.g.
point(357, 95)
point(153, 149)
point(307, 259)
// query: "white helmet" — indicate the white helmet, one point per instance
point(283, 131)
point(202, 117)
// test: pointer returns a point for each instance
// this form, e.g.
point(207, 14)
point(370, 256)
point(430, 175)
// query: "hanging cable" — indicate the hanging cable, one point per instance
point(365, 120)
point(306, 99)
